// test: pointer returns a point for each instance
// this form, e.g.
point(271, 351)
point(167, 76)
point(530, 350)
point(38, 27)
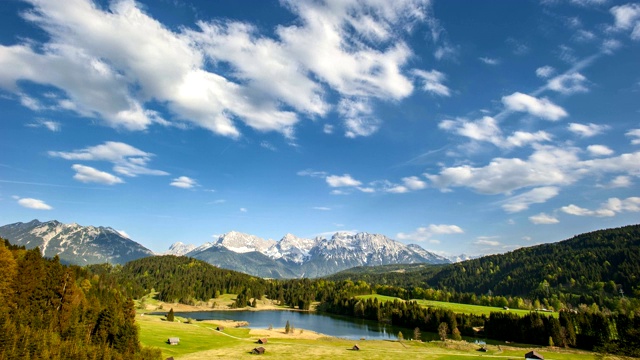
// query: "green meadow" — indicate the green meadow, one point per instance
point(200, 340)
point(457, 307)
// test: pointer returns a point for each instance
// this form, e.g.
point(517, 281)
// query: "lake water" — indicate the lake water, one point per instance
point(337, 326)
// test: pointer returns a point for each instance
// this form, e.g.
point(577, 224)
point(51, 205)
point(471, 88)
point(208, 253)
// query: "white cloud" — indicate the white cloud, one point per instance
point(542, 108)
point(327, 129)
point(244, 210)
point(543, 219)
point(486, 241)
point(414, 183)
point(322, 208)
point(358, 117)
point(587, 130)
point(568, 83)
point(123, 234)
point(610, 208)
point(127, 160)
point(87, 174)
point(312, 173)
point(589, 3)
point(546, 166)
point(342, 181)
point(610, 45)
point(184, 182)
point(545, 71)
point(487, 129)
point(112, 62)
point(34, 204)
point(432, 81)
point(621, 181)
point(489, 61)
point(48, 124)
point(627, 17)
point(599, 150)
point(425, 233)
point(634, 135)
point(535, 196)
point(267, 145)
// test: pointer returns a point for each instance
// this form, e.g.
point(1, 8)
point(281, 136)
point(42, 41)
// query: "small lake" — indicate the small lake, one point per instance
point(337, 326)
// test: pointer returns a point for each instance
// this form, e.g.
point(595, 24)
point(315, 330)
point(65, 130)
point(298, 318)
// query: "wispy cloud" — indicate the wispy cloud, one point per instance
point(127, 160)
point(87, 174)
point(489, 61)
point(610, 208)
point(587, 130)
point(426, 233)
point(543, 219)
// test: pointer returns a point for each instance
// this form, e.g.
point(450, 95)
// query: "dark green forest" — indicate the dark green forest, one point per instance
point(52, 311)
point(601, 267)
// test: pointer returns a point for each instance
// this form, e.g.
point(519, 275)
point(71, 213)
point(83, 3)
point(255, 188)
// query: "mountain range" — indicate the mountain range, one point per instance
point(75, 244)
point(293, 256)
point(290, 257)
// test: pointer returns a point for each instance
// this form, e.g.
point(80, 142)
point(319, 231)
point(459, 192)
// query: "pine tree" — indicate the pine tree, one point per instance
point(287, 327)
point(443, 329)
point(170, 316)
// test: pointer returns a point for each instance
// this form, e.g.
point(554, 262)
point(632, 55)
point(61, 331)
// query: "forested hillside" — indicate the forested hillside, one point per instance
point(600, 262)
point(186, 280)
point(51, 311)
point(597, 264)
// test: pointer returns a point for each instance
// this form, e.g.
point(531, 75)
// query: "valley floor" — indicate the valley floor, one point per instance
point(201, 340)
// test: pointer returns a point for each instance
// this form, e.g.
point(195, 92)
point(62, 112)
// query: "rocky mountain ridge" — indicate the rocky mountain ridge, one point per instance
point(75, 244)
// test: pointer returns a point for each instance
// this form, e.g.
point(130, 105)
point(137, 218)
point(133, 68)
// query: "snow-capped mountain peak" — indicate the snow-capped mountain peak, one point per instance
point(179, 249)
point(243, 243)
point(75, 243)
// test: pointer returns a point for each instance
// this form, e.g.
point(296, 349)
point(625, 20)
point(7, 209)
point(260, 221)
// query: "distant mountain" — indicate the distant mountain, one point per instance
point(462, 257)
point(292, 256)
point(179, 249)
point(75, 244)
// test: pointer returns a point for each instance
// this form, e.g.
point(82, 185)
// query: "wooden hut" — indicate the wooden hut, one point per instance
point(262, 341)
point(355, 347)
point(532, 355)
point(220, 328)
point(173, 341)
point(258, 351)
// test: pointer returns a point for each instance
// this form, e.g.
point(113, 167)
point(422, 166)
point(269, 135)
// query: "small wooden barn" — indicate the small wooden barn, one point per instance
point(532, 355)
point(220, 328)
point(262, 341)
point(173, 341)
point(355, 347)
point(258, 351)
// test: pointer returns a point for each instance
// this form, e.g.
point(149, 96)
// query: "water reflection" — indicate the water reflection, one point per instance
point(337, 326)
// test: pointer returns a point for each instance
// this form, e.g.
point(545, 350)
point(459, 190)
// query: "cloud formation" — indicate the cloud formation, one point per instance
point(126, 159)
point(34, 204)
point(184, 182)
point(610, 208)
point(425, 233)
point(543, 219)
point(542, 108)
point(97, 56)
point(87, 174)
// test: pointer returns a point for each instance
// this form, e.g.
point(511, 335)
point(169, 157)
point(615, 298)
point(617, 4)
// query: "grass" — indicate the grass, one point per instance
point(200, 341)
point(457, 307)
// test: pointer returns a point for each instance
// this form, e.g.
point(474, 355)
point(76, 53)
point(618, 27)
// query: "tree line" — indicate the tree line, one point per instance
point(52, 311)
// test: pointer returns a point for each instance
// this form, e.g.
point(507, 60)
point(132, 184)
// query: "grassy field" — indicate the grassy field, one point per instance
point(457, 307)
point(201, 341)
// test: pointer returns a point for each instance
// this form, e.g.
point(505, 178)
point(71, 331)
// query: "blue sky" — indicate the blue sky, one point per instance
point(464, 126)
